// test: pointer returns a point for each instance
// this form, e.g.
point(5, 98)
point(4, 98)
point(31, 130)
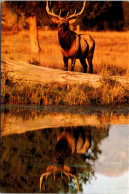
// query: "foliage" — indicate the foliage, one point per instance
point(29, 8)
point(97, 15)
point(104, 15)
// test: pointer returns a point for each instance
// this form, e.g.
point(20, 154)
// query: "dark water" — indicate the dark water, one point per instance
point(98, 156)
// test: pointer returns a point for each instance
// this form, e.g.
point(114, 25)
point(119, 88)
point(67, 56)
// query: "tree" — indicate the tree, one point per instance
point(31, 10)
point(34, 34)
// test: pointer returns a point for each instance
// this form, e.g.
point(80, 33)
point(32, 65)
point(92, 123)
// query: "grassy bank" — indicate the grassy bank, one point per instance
point(110, 93)
point(110, 58)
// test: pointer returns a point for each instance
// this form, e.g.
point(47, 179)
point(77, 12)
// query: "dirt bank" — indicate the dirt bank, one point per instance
point(28, 73)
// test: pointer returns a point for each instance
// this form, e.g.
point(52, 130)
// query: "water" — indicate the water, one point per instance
point(89, 145)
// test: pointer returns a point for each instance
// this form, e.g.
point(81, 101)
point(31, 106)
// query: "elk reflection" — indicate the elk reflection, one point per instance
point(68, 142)
point(23, 157)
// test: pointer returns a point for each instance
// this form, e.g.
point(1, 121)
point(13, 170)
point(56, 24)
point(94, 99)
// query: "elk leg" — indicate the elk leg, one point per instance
point(73, 64)
point(65, 63)
point(85, 147)
point(89, 58)
point(84, 65)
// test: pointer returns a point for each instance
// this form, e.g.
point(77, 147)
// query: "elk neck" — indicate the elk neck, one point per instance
point(66, 38)
point(62, 151)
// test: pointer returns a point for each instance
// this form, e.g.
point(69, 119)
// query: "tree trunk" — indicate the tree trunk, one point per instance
point(34, 35)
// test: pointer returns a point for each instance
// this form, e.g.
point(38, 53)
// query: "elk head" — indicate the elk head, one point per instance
point(63, 23)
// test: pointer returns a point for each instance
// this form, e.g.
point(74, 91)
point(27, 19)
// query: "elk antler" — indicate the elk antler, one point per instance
point(41, 178)
point(76, 14)
point(54, 170)
point(72, 175)
point(52, 13)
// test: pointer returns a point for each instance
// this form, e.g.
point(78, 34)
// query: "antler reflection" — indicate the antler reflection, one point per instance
point(56, 170)
point(68, 143)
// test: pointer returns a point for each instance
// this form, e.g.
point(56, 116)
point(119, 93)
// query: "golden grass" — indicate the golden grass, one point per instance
point(111, 93)
point(110, 57)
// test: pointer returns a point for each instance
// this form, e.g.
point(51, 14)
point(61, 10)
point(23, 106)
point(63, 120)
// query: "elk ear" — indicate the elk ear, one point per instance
point(72, 21)
point(55, 20)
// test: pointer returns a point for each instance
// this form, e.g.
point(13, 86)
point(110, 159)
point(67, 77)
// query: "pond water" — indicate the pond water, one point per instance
point(75, 150)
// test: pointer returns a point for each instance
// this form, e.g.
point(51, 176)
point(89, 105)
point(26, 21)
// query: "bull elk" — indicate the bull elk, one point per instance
point(77, 141)
point(73, 45)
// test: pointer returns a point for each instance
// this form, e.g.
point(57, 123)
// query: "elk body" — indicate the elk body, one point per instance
point(73, 46)
point(68, 143)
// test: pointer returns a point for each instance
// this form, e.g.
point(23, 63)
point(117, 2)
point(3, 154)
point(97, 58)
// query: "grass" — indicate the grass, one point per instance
point(110, 58)
point(111, 93)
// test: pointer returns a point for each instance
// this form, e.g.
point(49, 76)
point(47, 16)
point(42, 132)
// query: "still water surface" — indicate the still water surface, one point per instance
point(81, 150)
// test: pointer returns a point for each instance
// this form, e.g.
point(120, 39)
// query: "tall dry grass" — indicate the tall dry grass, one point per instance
point(110, 57)
point(111, 93)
